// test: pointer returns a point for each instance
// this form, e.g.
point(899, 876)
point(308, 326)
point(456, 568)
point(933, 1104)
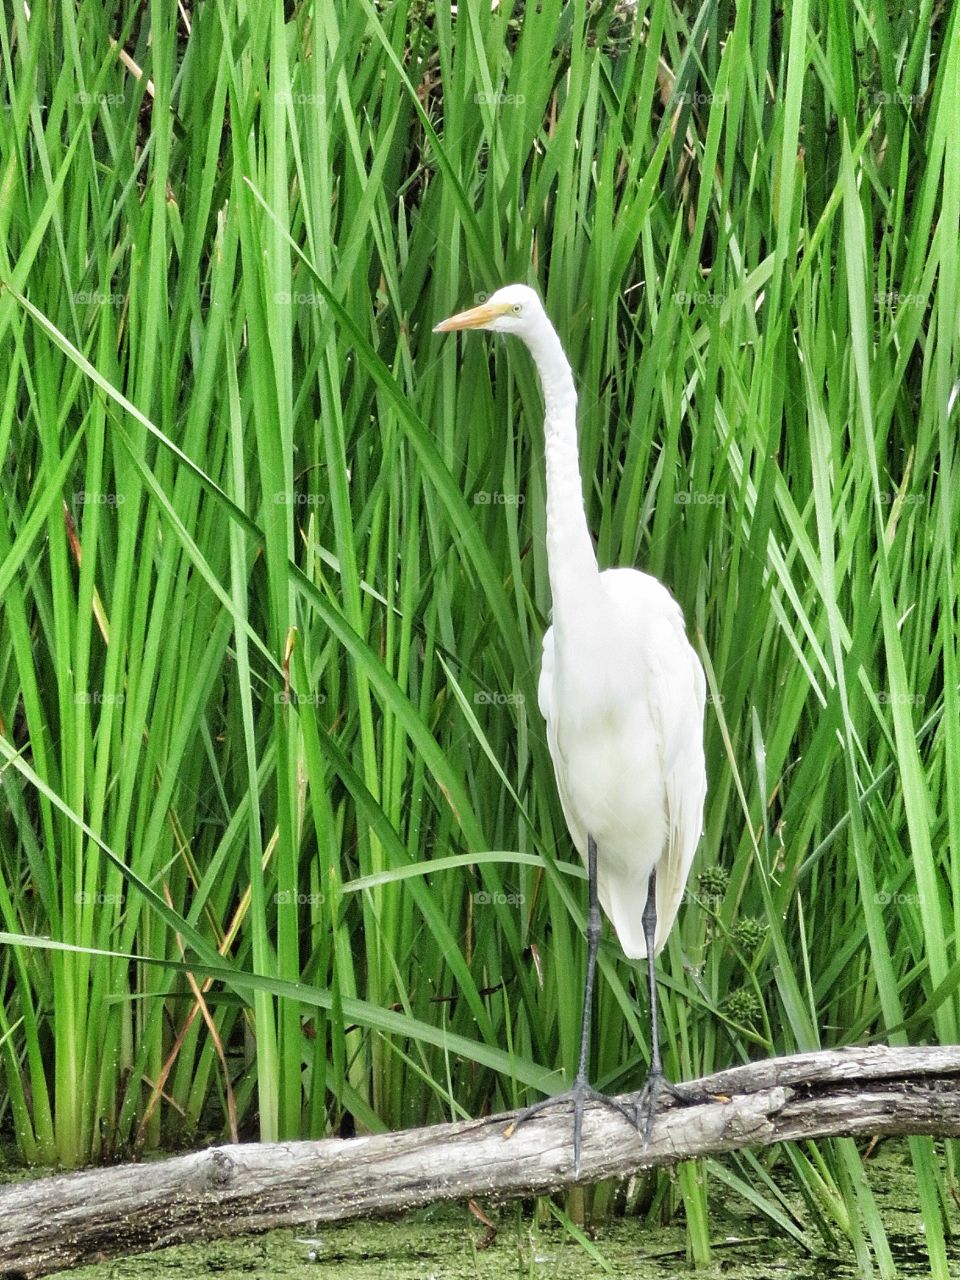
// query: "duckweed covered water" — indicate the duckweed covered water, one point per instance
point(447, 1243)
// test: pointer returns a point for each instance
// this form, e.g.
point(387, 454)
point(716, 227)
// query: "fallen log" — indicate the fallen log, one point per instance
point(52, 1223)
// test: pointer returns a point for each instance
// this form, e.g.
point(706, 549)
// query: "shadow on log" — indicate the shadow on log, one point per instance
point(52, 1223)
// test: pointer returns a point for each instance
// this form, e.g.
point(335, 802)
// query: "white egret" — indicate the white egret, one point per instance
point(622, 693)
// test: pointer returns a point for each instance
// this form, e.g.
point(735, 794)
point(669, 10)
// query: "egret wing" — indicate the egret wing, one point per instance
point(545, 687)
point(548, 709)
point(676, 689)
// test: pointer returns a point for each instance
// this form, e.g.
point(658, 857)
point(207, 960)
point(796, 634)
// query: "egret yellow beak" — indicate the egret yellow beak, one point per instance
point(475, 318)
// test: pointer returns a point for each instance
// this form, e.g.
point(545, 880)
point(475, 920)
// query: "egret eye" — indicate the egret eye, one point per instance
point(517, 308)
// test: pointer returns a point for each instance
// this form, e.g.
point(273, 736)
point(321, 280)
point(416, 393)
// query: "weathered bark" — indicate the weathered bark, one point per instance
point(56, 1222)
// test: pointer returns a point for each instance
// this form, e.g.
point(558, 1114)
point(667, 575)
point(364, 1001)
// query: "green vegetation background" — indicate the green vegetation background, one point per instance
point(279, 838)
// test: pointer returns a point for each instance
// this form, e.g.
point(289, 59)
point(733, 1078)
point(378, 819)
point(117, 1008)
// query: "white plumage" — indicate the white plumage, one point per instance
point(629, 758)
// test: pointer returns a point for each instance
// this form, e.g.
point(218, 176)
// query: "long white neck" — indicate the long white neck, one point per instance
point(572, 562)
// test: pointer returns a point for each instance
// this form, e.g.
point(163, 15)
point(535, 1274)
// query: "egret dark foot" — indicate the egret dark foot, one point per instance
point(656, 1084)
point(579, 1096)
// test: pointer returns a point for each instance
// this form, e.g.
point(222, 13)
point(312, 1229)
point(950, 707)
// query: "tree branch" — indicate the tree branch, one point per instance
point(56, 1222)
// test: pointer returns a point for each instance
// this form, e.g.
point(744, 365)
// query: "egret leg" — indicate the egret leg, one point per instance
point(656, 1082)
point(581, 1093)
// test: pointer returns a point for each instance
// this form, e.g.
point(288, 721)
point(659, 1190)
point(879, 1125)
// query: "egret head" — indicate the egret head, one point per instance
point(512, 309)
